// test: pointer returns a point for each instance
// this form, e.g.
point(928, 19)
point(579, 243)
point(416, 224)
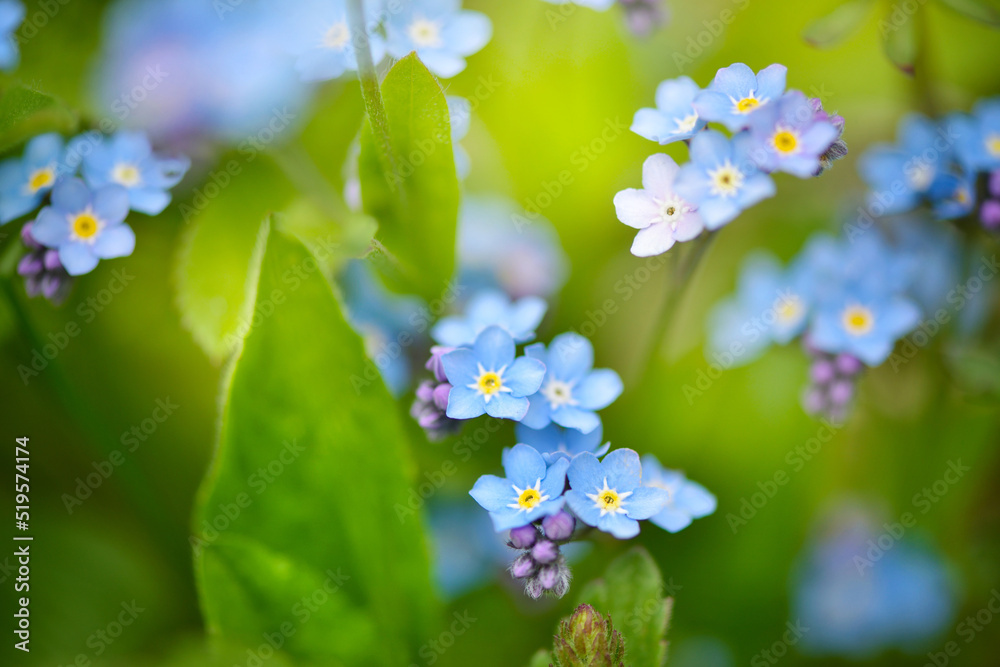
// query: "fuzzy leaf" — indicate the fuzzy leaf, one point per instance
point(26, 112)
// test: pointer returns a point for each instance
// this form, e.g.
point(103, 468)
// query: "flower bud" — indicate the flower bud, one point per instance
point(523, 566)
point(559, 526)
point(546, 551)
point(523, 537)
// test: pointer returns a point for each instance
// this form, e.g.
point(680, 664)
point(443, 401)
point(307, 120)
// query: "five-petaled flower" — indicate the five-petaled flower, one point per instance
point(491, 307)
point(85, 226)
point(863, 324)
point(661, 216)
point(555, 442)
point(688, 500)
point(487, 378)
point(674, 118)
point(608, 494)
point(572, 389)
point(530, 491)
point(440, 31)
point(320, 38)
point(736, 94)
point(127, 159)
point(789, 136)
point(25, 181)
point(721, 179)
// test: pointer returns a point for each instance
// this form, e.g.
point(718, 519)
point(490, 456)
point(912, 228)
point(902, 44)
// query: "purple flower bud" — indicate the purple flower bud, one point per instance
point(30, 265)
point(523, 566)
point(51, 259)
point(548, 576)
point(822, 371)
point(994, 183)
point(434, 364)
point(989, 213)
point(814, 400)
point(533, 588)
point(848, 364)
point(841, 392)
point(558, 526)
point(545, 551)
point(425, 391)
point(440, 395)
point(644, 16)
point(523, 537)
point(28, 239)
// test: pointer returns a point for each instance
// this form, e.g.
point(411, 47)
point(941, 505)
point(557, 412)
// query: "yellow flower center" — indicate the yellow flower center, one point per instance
point(337, 36)
point(489, 383)
point(608, 500)
point(529, 498)
point(125, 174)
point(425, 33)
point(993, 145)
point(785, 141)
point(85, 225)
point(858, 320)
point(41, 178)
point(747, 104)
point(726, 180)
point(790, 308)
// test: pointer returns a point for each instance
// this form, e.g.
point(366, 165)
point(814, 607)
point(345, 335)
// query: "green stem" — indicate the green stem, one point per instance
point(370, 90)
point(684, 269)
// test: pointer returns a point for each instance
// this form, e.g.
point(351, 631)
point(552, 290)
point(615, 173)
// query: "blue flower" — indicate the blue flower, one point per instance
point(608, 494)
point(555, 442)
point(661, 216)
point(491, 308)
point(127, 159)
point(85, 226)
point(11, 15)
point(499, 246)
point(953, 194)
point(688, 500)
point(530, 491)
point(736, 94)
point(771, 305)
point(978, 142)
point(488, 379)
point(440, 32)
point(674, 118)
point(460, 117)
point(721, 179)
point(571, 391)
point(900, 175)
point(789, 136)
point(863, 324)
point(25, 181)
point(321, 40)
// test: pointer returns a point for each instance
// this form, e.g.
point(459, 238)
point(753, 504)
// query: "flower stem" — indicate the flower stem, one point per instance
point(370, 89)
point(684, 268)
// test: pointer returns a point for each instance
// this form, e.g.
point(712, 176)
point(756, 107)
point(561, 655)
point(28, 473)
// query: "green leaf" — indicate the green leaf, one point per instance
point(414, 196)
point(26, 112)
point(835, 26)
point(631, 592)
point(541, 659)
point(306, 478)
point(217, 251)
point(899, 40)
point(977, 10)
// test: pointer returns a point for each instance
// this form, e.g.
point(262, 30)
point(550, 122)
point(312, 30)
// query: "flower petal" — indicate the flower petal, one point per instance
point(636, 208)
point(492, 493)
point(117, 241)
point(523, 465)
point(622, 469)
point(599, 389)
point(571, 356)
point(77, 258)
point(505, 406)
point(524, 376)
point(658, 173)
point(645, 502)
point(464, 403)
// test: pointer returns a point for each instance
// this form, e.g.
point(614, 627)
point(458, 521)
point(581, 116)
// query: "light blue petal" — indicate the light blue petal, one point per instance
point(321, 64)
point(537, 351)
point(555, 479)
point(524, 376)
point(570, 416)
point(710, 148)
point(671, 519)
point(692, 184)
point(117, 241)
point(755, 189)
point(581, 505)
point(645, 502)
point(13, 206)
point(619, 525)
point(585, 474)
point(771, 82)
point(523, 465)
point(599, 389)
point(43, 150)
point(445, 65)
point(111, 204)
point(622, 469)
point(492, 493)
point(50, 228)
point(716, 212)
point(571, 356)
point(525, 316)
point(539, 414)
point(654, 125)
point(676, 93)
point(494, 349)
point(737, 81)
point(460, 367)
point(453, 331)
point(505, 406)
point(464, 403)
point(695, 499)
point(77, 258)
point(71, 196)
point(150, 201)
point(715, 106)
point(466, 32)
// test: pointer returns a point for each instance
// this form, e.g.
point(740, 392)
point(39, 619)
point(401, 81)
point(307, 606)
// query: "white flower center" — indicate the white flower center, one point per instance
point(789, 308)
point(993, 144)
point(337, 36)
point(425, 33)
point(489, 383)
point(687, 123)
point(126, 174)
point(726, 180)
point(557, 393)
point(920, 176)
point(673, 209)
point(528, 498)
point(609, 501)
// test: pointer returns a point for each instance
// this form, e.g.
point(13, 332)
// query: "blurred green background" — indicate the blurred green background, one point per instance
point(558, 85)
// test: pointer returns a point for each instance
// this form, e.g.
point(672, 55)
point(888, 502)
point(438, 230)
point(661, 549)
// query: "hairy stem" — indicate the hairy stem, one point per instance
point(370, 89)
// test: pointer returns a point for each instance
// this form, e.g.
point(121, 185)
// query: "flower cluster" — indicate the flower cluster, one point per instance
point(850, 299)
point(81, 220)
point(772, 130)
point(441, 33)
point(938, 163)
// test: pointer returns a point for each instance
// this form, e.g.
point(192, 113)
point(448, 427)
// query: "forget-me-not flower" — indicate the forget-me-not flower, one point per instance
point(736, 93)
point(25, 181)
point(865, 325)
point(441, 33)
point(572, 389)
point(554, 441)
point(530, 491)
point(608, 494)
point(84, 225)
point(789, 136)
point(688, 500)
point(978, 141)
point(491, 308)
point(127, 159)
point(674, 118)
point(11, 15)
point(661, 216)
point(320, 38)
point(487, 378)
point(721, 179)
